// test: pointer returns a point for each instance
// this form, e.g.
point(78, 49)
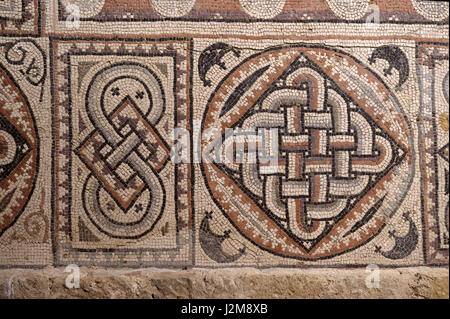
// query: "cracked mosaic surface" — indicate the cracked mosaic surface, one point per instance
point(113, 115)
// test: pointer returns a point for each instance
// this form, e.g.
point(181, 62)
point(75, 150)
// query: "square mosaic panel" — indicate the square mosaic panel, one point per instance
point(199, 133)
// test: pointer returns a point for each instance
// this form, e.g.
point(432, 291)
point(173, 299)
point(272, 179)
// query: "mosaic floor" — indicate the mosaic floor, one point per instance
point(232, 133)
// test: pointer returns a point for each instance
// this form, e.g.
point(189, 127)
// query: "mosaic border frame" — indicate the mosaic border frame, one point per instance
point(186, 243)
point(434, 254)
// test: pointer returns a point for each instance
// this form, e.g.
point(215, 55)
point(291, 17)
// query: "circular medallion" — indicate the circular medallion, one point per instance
point(19, 151)
point(171, 8)
point(262, 9)
point(431, 10)
point(305, 151)
point(349, 9)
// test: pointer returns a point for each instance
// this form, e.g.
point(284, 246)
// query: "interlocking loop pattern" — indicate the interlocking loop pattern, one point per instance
point(125, 152)
point(319, 151)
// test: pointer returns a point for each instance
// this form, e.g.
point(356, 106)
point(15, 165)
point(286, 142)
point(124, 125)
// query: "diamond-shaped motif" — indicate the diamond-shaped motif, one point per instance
point(13, 147)
point(109, 164)
point(19, 151)
point(321, 156)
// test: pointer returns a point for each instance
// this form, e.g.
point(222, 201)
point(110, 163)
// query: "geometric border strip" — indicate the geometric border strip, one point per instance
point(64, 153)
point(429, 56)
point(246, 11)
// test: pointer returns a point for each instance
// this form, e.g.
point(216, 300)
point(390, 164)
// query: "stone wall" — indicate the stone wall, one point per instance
point(417, 283)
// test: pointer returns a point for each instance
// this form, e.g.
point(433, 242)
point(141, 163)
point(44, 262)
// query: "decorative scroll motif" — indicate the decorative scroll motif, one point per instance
point(31, 60)
point(36, 224)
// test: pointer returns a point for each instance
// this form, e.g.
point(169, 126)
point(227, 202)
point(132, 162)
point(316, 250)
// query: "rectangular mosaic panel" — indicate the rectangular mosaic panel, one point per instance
point(199, 133)
point(432, 63)
point(25, 148)
point(121, 200)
